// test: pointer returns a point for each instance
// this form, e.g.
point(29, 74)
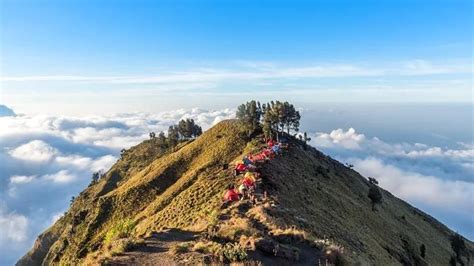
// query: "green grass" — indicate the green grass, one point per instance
point(123, 229)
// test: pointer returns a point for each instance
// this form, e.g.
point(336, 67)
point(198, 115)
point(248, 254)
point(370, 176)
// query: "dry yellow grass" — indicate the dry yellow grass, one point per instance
point(311, 197)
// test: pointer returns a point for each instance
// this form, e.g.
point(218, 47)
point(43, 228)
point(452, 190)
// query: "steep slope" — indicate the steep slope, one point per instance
point(311, 196)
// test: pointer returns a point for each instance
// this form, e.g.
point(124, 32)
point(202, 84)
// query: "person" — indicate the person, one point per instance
point(239, 168)
point(257, 158)
point(231, 195)
point(242, 190)
point(251, 175)
point(270, 143)
point(247, 161)
point(284, 143)
point(268, 153)
point(249, 182)
point(276, 149)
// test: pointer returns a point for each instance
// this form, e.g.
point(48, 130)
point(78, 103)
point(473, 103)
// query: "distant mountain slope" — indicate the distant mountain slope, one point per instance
point(311, 198)
point(5, 111)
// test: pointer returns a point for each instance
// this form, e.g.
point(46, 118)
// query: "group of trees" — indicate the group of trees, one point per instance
point(185, 129)
point(274, 116)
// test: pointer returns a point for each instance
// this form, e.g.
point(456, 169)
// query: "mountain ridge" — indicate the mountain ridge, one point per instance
point(309, 192)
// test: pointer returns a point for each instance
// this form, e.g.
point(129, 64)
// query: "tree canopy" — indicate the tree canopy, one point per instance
point(274, 116)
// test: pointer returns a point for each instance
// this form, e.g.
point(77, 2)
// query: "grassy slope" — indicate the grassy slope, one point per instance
point(314, 192)
point(322, 196)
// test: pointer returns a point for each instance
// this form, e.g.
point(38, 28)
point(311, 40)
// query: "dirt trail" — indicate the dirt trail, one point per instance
point(155, 250)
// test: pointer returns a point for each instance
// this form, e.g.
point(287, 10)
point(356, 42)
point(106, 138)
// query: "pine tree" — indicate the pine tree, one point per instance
point(249, 114)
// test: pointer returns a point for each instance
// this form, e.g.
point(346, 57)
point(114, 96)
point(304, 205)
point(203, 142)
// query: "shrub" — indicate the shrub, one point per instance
point(423, 250)
point(122, 229)
point(233, 252)
point(209, 247)
point(179, 248)
point(375, 196)
point(123, 245)
point(235, 228)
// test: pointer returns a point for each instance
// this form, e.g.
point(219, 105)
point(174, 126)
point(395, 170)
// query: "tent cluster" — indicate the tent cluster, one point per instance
point(248, 167)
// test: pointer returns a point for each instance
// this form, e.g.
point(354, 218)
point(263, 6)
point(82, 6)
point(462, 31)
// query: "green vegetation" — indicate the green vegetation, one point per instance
point(270, 117)
point(374, 193)
point(233, 252)
point(180, 248)
point(249, 114)
point(123, 229)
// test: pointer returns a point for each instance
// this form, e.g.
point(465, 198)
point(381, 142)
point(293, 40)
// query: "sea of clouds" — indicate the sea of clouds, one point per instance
point(45, 160)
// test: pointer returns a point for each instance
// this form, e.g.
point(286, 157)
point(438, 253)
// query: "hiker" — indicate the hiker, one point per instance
point(257, 158)
point(247, 161)
point(283, 143)
point(248, 182)
point(242, 191)
point(239, 168)
point(268, 153)
point(247, 188)
point(276, 149)
point(231, 195)
point(251, 175)
point(270, 143)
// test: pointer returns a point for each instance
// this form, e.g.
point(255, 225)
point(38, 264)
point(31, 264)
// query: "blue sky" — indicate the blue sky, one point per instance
point(154, 55)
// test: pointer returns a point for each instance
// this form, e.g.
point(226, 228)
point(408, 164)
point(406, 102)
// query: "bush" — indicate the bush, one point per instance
point(179, 248)
point(121, 230)
point(206, 247)
point(423, 250)
point(375, 196)
point(123, 245)
point(233, 252)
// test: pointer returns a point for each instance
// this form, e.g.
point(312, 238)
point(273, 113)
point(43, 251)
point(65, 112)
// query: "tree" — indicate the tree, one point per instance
point(373, 181)
point(152, 135)
point(280, 117)
point(306, 139)
point(173, 135)
point(270, 120)
point(197, 131)
point(189, 129)
point(161, 138)
point(249, 114)
point(375, 196)
point(95, 177)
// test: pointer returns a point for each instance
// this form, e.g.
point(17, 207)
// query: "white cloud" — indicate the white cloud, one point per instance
point(348, 139)
point(453, 195)
point(62, 176)
point(268, 71)
point(36, 150)
point(13, 226)
point(21, 179)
